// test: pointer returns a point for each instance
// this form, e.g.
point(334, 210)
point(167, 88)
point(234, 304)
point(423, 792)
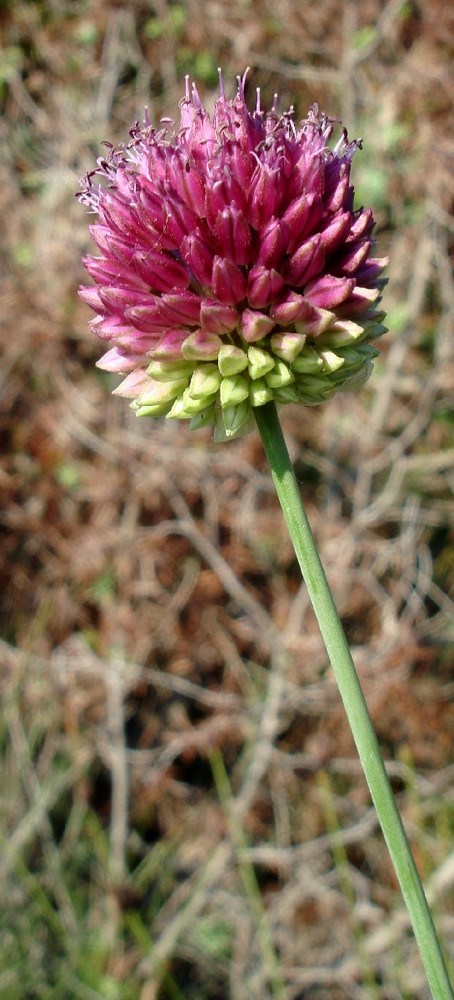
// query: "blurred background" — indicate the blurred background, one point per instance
point(182, 810)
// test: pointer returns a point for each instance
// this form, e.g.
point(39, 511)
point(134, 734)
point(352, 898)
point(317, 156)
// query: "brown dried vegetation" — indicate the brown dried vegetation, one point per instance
point(145, 573)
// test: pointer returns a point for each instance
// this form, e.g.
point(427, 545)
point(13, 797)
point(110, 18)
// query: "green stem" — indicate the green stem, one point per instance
point(353, 699)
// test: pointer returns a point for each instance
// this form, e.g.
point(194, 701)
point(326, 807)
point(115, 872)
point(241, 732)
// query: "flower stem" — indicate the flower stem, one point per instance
point(353, 699)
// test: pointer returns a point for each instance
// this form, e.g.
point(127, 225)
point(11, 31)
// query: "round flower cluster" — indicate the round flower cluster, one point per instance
point(234, 268)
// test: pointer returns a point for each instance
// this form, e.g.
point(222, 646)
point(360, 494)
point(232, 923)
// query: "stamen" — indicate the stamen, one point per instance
point(221, 83)
point(196, 98)
point(241, 80)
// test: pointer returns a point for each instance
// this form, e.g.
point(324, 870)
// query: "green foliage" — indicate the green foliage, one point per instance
point(86, 33)
point(175, 23)
point(364, 36)
point(105, 586)
point(11, 59)
point(212, 937)
point(374, 165)
point(201, 66)
point(24, 254)
point(68, 475)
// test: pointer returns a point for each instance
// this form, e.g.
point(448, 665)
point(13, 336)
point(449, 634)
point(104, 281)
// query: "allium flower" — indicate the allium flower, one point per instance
point(235, 269)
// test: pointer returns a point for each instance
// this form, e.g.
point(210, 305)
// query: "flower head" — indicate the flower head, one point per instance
point(234, 267)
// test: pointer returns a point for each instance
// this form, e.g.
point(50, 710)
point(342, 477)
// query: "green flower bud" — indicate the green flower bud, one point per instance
point(260, 393)
point(308, 361)
point(287, 345)
point(341, 333)
point(331, 361)
point(206, 418)
point(232, 420)
point(157, 398)
point(205, 381)
point(287, 394)
point(231, 360)
point(234, 389)
point(169, 371)
point(201, 346)
point(260, 362)
point(193, 406)
point(280, 375)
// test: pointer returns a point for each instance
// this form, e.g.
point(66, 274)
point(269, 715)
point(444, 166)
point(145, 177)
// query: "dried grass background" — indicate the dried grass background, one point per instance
point(182, 810)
